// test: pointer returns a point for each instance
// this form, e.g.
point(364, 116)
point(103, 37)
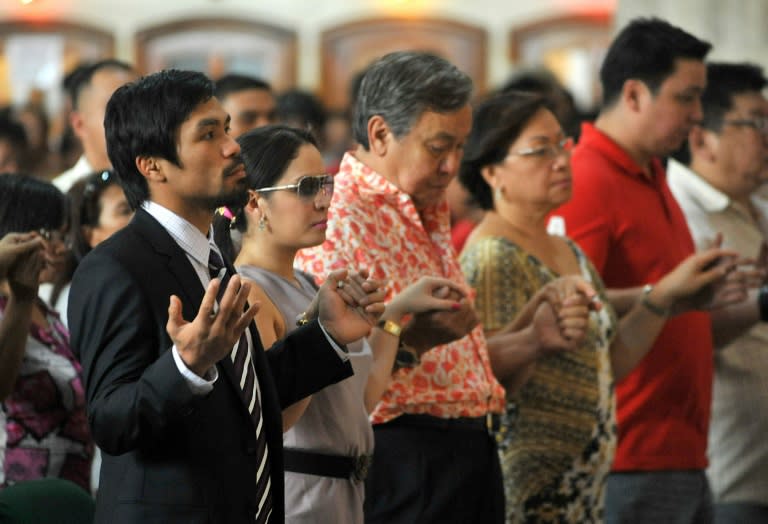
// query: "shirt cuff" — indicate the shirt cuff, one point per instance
point(342, 352)
point(198, 385)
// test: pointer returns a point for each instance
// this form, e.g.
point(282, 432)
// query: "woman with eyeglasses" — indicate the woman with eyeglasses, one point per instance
point(97, 209)
point(559, 431)
point(43, 426)
point(328, 449)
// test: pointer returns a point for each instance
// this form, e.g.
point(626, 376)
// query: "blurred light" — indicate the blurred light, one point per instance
point(26, 2)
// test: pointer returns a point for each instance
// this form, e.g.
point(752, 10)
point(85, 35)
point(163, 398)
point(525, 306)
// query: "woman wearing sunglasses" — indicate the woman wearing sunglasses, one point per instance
point(559, 431)
point(328, 450)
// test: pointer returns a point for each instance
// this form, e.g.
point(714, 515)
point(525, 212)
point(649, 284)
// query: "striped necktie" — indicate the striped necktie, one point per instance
point(246, 375)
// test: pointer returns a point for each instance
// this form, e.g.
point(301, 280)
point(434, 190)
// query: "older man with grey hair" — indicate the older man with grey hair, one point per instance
point(435, 458)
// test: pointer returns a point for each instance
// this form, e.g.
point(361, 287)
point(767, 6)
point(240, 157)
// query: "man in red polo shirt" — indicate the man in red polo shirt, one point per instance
point(625, 218)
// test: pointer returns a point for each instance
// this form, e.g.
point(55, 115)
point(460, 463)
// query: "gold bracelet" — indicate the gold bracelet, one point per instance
point(393, 328)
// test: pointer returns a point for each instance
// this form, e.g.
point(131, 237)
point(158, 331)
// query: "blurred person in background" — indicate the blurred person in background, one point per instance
point(249, 101)
point(728, 162)
point(43, 425)
point(89, 90)
point(13, 144)
point(97, 209)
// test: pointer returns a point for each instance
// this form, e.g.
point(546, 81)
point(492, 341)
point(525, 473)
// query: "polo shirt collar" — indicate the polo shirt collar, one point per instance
point(593, 138)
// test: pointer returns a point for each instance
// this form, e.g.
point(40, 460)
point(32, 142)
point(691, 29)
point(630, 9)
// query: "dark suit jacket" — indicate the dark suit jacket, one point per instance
point(169, 455)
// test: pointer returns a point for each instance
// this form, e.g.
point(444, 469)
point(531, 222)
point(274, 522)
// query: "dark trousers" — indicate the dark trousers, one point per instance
point(740, 513)
point(443, 474)
point(658, 497)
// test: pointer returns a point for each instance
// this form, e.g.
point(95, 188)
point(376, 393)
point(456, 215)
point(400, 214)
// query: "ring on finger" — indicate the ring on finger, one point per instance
point(340, 284)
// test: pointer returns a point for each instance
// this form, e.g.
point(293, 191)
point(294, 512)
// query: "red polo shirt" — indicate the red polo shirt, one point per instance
point(634, 232)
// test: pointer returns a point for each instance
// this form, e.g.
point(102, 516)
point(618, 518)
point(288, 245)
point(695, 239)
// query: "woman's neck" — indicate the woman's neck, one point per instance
point(525, 223)
point(265, 255)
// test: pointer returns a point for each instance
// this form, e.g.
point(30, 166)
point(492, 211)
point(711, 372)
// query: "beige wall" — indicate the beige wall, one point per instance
point(307, 17)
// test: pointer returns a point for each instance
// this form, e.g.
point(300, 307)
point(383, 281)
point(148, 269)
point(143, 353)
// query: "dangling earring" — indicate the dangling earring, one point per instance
point(262, 223)
point(498, 192)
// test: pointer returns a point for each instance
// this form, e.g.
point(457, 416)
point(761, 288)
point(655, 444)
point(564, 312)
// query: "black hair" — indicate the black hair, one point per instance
point(724, 81)
point(266, 152)
point(13, 131)
point(401, 86)
point(81, 77)
point(234, 83)
point(85, 208)
point(143, 118)
point(646, 49)
point(30, 204)
point(498, 121)
point(302, 109)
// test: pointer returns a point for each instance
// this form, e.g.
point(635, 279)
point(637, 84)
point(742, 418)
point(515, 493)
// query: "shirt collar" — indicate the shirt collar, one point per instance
point(371, 183)
point(711, 199)
point(187, 236)
point(592, 137)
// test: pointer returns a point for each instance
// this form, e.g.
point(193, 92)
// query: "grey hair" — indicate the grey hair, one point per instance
point(401, 86)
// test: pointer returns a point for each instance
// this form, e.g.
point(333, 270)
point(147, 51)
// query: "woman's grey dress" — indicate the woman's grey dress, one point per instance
point(335, 422)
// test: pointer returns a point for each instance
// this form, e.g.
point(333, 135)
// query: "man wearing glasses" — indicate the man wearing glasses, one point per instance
point(716, 191)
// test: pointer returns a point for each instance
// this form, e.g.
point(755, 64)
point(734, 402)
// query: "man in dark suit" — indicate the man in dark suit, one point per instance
point(188, 420)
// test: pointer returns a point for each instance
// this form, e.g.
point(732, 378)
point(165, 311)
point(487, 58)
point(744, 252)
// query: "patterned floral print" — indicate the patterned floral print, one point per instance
point(558, 433)
point(374, 225)
point(43, 426)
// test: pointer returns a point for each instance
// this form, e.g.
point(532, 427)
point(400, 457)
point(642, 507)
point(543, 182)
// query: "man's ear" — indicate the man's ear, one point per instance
point(634, 94)
point(703, 144)
point(150, 168)
point(379, 136)
point(76, 121)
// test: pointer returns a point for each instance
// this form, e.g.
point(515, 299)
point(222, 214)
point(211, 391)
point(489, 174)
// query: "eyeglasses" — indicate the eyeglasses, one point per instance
point(308, 187)
point(563, 146)
point(759, 123)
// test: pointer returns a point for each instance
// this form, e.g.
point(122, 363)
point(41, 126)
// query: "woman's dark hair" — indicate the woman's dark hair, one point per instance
point(497, 123)
point(85, 208)
point(266, 152)
point(30, 204)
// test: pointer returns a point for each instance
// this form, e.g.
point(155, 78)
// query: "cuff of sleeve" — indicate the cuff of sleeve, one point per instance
point(198, 385)
point(341, 351)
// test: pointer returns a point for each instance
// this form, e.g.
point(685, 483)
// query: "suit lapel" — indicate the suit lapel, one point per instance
point(190, 290)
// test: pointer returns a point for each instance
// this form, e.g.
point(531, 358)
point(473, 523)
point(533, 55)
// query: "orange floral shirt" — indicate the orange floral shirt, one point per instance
point(374, 225)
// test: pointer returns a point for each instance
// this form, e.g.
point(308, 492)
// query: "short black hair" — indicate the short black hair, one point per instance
point(30, 204)
point(724, 81)
point(497, 123)
point(13, 131)
point(81, 77)
point(646, 49)
point(143, 118)
point(233, 83)
point(401, 86)
point(301, 107)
